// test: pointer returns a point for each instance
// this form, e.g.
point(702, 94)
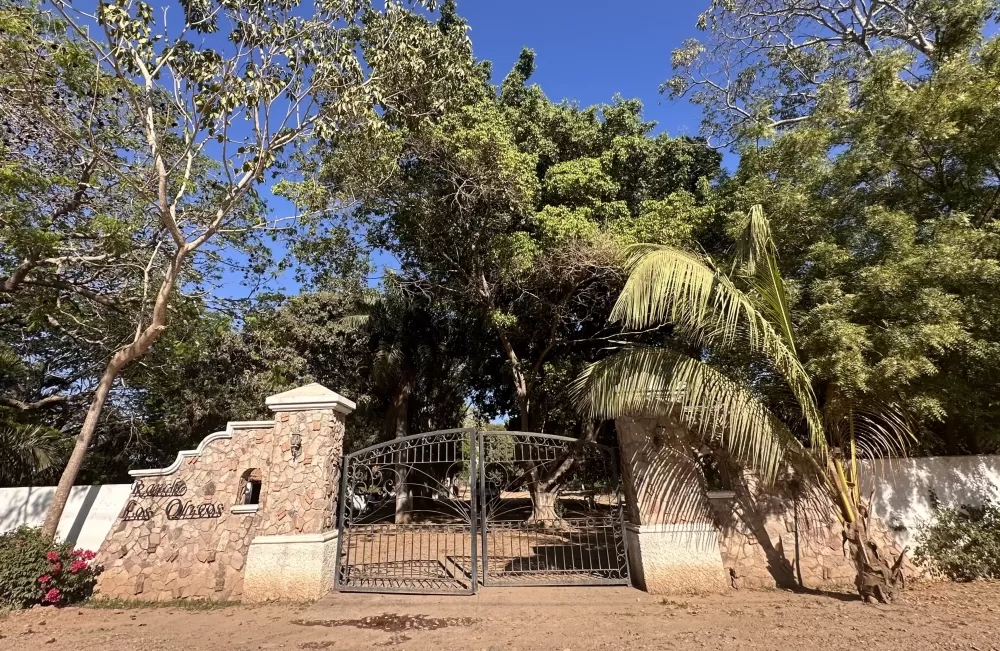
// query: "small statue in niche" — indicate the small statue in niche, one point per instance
point(296, 445)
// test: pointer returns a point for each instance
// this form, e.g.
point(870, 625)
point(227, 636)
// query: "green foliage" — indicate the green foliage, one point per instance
point(961, 543)
point(511, 208)
point(28, 452)
point(876, 161)
point(129, 196)
point(33, 570)
point(714, 312)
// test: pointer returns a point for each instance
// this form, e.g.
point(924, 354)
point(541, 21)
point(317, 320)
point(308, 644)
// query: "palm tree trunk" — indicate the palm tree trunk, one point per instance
point(876, 576)
point(400, 416)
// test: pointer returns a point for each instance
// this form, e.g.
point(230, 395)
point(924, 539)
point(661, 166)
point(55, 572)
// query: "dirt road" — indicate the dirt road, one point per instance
point(942, 616)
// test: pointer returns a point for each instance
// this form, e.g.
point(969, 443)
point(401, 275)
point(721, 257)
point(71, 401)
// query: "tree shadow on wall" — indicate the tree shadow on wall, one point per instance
point(788, 500)
point(752, 514)
point(662, 476)
point(666, 485)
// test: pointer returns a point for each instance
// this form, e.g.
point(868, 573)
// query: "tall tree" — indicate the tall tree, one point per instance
point(879, 173)
point(204, 119)
point(767, 65)
point(512, 207)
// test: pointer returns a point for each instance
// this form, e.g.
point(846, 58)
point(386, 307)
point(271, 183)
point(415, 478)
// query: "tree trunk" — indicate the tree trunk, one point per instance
point(543, 506)
point(400, 425)
point(876, 578)
point(140, 345)
point(69, 475)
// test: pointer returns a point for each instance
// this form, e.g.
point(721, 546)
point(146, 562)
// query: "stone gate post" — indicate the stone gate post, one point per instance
point(672, 538)
point(293, 556)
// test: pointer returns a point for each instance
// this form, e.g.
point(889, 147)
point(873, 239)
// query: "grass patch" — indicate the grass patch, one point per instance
point(179, 604)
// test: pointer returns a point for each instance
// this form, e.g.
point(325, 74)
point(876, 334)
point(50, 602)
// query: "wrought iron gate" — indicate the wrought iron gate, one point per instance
point(416, 512)
point(551, 511)
point(408, 516)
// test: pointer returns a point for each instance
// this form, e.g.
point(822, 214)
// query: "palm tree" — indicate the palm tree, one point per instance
point(712, 312)
point(27, 449)
point(27, 452)
point(414, 352)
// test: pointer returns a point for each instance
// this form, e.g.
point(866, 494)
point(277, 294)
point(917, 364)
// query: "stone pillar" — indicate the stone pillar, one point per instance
point(672, 538)
point(293, 556)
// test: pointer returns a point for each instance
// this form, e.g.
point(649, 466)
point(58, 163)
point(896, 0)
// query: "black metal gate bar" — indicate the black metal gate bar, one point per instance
point(406, 522)
point(578, 540)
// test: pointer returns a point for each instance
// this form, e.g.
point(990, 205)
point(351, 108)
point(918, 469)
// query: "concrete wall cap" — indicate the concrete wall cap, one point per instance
point(310, 397)
point(186, 454)
point(291, 539)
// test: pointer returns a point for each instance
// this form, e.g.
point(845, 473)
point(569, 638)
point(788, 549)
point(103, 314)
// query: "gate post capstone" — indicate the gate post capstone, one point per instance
point(293, 556)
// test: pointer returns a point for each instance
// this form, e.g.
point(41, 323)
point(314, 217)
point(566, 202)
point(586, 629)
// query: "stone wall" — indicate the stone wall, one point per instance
point(176, 540)
point(683, 540)
point(187, 533)
point(785, 537)
point(303, 474)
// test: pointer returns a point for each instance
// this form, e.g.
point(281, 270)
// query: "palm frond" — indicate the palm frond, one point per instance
point(665, 285)
point(875, 429)
point(388, 364)
point(757, 258)
point(27, 451)
point(658, 381)
point(354, 321)
point(668, 285)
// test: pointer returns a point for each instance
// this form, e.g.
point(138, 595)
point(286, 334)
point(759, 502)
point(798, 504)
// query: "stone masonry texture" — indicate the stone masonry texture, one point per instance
point(160, 558)
point(204, 557)
point(779, 536)
point(303, 481)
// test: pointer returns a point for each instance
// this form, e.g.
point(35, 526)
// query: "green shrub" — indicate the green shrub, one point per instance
point(34, 570)
point(962, 543)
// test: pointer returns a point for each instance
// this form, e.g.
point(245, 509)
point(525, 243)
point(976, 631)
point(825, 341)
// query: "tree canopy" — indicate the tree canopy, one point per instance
point(513, 208)
point(871, 151)
point(866, 131)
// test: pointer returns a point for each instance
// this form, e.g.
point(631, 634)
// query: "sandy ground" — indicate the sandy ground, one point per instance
point(939, 616)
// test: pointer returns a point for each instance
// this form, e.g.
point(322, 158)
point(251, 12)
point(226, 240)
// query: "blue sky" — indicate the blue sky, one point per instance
point(585, 51)
point(589, 50)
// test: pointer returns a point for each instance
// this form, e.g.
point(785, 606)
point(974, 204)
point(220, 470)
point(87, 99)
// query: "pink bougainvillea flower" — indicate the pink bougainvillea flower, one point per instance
point(52, 557)
point(57, 568)
point(44, 579)
point(89, 555)
point(52, 596)
point(78, 565)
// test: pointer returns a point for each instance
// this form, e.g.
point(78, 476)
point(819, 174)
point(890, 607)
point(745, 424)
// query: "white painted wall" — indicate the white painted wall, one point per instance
point(89, 514)
point(902, 489)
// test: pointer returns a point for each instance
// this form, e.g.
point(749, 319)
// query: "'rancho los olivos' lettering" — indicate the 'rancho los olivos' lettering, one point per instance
point(135, 512)
point(177, 510)
point(176, 489)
